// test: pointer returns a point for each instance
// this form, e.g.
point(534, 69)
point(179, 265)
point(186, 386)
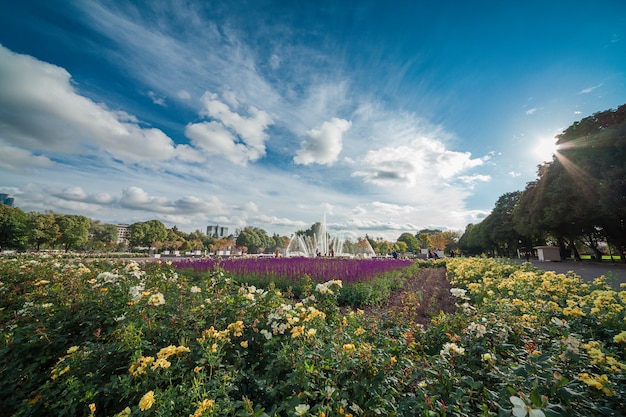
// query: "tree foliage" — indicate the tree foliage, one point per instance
point(147, 233)
point(13, 231)
point(578, 197)
point(73, 230)
point(255, 239)
point(412, 243)
point(42, 229)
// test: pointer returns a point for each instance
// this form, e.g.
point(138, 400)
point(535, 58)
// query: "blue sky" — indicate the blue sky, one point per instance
point(389, 116)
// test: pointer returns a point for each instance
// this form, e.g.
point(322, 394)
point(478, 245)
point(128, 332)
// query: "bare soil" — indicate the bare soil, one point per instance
point(423, 296)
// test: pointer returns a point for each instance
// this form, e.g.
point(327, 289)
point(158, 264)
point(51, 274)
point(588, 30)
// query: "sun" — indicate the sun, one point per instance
point(545, 148)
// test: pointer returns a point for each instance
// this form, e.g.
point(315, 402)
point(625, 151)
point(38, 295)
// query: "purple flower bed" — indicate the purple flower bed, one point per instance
point(293, 269)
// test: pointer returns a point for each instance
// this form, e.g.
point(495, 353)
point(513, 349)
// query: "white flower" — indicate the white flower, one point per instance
point(136, 291)
point(458, 292)
point(520, 409)
point(302, 409)
point(156, 299)
point(450, 348)
point(476, 328)
point(108, 277)
point(267, 334)
point(195, 289)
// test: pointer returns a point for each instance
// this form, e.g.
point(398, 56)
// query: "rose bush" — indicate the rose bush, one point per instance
point(120, 338)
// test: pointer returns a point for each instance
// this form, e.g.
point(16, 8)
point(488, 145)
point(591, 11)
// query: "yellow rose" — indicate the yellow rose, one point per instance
point(146, 401)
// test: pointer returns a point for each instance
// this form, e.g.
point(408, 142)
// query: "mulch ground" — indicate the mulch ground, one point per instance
point(423, 296)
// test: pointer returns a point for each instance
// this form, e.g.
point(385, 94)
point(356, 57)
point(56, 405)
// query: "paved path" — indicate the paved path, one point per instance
point(587, 270)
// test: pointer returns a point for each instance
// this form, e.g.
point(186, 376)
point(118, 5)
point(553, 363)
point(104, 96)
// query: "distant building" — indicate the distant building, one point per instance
point(122, 233)
point(217, 231)
point(6, 200)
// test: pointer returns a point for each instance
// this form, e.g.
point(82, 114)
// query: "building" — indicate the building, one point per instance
point(217, 231)
point(6, 200)
point(122, 233)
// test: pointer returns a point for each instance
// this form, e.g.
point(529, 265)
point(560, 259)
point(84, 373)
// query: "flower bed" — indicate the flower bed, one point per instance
point(121, 338)
point(365, 281)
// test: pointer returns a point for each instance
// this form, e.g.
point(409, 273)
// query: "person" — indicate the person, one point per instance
point(394, 254)
point(452, 253)
point(527, 256)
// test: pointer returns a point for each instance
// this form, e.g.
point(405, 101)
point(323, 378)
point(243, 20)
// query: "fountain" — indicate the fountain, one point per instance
point(322, 244)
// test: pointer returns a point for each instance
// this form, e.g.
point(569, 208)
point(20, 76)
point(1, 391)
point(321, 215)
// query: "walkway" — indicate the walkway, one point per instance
point(587, 270)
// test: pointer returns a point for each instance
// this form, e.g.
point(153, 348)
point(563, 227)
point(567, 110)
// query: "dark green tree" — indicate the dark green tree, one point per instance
point(42, 229)
point(73, 229)
point(102, 237)
point(413, 245)
point(147, 233)
point(581, 195)
point(254, 238)
point(13, 228)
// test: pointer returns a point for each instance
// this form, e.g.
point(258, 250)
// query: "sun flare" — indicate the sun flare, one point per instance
point(545, 148)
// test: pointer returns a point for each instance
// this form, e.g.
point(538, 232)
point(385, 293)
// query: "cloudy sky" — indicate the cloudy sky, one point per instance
point(387, 116)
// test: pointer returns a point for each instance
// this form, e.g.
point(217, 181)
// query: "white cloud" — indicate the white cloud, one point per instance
point(47, 114)
point(215, 139)
point(183, 95)
point(322, 146)
point(514, 174)
point(531, 111)
point(135, 198)
point(21, 160)
point(156, 99)
point(274, 61)
point(590, 89)
point(80, 195)
point(422, 161)
point(473, 179)
point(240, 139)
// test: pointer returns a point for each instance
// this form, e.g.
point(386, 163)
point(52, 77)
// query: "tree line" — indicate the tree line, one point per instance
point(36, 231)
point(577, 202)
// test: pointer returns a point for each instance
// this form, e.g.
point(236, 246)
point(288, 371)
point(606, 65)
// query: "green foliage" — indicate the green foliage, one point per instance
point(73, 231)
point(146, 233)
point(144, 339)
point(42, 229)
point(255, 239)
point(412, 244)
point(12, 228)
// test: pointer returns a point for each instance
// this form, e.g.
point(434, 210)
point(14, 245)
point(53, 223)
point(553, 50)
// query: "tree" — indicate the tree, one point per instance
point(42, 229)
point(400, 247)
point(13, 224)
point(470, 241)
point(255, 239)
point(444, 240)
point(146, 233)
point(581, 194)
point(102, 236)
point(73, 229)
point(413, 245)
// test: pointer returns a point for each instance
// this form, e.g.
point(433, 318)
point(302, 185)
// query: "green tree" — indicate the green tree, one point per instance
point(102, 236)
point(471, 241)
point(580, 196)
point(73, 229)
point(400, 247)
point(413, 245)
point(13, 228)
point(147, 233)
point(499, 231)
point(254, 238)
point(42, 229)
